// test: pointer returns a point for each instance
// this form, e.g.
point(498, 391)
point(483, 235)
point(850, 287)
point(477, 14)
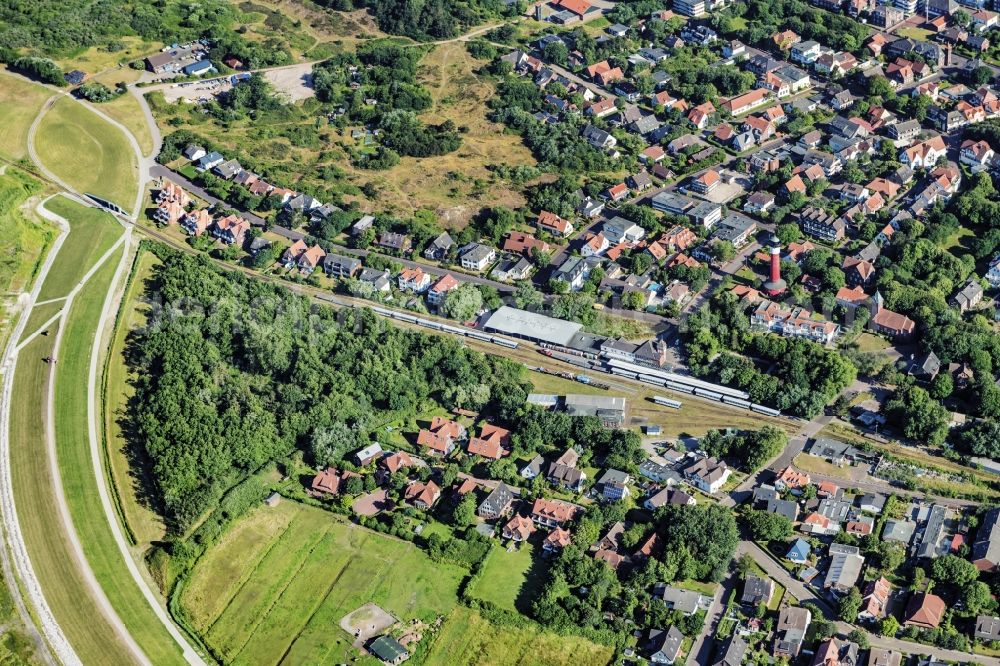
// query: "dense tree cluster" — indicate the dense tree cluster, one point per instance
point(236, 373)
point(41, 69)
point(763, 18)
point(748, 449)
point(427, 20)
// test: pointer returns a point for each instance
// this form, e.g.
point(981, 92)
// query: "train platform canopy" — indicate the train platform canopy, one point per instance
point(532, 326)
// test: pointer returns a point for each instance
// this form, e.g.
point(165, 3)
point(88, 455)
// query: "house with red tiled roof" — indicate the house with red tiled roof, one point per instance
point(422, 495)
point(795, 184)
point(518, 528)
point(414, 279)
point(440, 289)
point(595, 245)
point(554, 224)
point(492, 443)
point(817, 523)
point(394, 462)
point(975, 153)
point(197, 222)
point(553, 513)
point(785, 39)
point(169, 212)
point(578, 7)
point(611, 76)
point(617, 192)
point(791, 479)
point(557, 540)
point(700, 114)
point(520, 242)
point(858, 272)
point(327, 481)
point(231, 230)
point(924, 611)
point(440, 437)
point(652, 155)
point(602, 107)
point(597, 68)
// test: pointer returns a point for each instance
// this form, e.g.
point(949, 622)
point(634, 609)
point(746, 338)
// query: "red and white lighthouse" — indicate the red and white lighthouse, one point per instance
point(775, 286)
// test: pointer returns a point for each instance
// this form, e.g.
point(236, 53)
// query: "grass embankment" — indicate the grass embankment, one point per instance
point(20, 102)
point(140, 520)
point(274, 589)
point(22, 239)
point(91, 234)
point(467, 639)
point(65, 590)
point(87, 152)
point(79, 480)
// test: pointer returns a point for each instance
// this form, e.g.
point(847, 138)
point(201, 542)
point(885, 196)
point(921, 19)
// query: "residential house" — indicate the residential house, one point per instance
point(925, 154)
point(976, 153)
point(791, 479)
point(394, 241)
point(790, 631)
point(707, 474)
point(414, 279)
point(438, 248)
point(553, 513)
point(492, 442)
point(614, 485)
point(968, 297)
point(368, 455)
point(746, 102)
point(169, 212)
point(664, 647)
point(818, 223)
point(554, 224)
point(437, 292)
point(687, 602)
point(518, 528)
point(441, 436)
point(619, 230)
point(987, 629)
point(497, 504)
point(556, 540)
point(875, 600)
point(477, 257)
point(799, 552)
point(924, 611)
point(231, 230)
point(757, 590)
point(667, 496)
point(845, 568)
point(986, 548)
point(422, 495)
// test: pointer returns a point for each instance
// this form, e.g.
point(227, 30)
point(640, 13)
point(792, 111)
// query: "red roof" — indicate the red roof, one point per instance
point(578, 7)
point(554, 510)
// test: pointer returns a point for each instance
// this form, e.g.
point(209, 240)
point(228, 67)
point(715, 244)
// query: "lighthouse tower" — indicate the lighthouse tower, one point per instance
point(775, 286)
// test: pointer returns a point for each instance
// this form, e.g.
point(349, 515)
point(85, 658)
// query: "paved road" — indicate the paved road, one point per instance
point(703, 646)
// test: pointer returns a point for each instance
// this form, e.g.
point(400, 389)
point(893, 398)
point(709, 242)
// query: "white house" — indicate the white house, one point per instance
point(619, 230)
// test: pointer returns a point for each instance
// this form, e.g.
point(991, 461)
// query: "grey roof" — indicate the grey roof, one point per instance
point(686, 601)
point(899, 530)
point(757, 590)
point(614, 476)
point(930, 542)
point(845, 566)
point(478, 252)
point(732, 654)
point(784, 508)
point(532, 325)
point(497, 500)
point(387, 648)
point(987, 544)
point(873, 500)
point(668, 496)
point(534, 466)
point(666, 643)
point(988, 628)
point(832, 448)
point(588, 404)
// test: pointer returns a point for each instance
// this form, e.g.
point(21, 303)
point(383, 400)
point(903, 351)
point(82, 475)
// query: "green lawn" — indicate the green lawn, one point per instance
point(20, 102)
point(506, 575)
point(22, 240)
point(92, 233)
point(143, 523)
point(274, 589)
point(867, 342)
point(467, 639)
point(65, 590)
point(88, 152)
point(78, 477)
point(919, 34)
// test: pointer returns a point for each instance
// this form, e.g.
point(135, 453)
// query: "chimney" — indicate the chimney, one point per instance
point(538, 12)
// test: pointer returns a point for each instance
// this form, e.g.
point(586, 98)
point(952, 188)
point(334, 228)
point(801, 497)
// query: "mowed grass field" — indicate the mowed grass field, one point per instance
point(87, 152)
point(467, 639)
point(144, 523)
point(126, 108)
point(20, 102)
point(275, 588)
point(506, 575)
point(79, 479)
point(91, 233)
point(92, 637)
